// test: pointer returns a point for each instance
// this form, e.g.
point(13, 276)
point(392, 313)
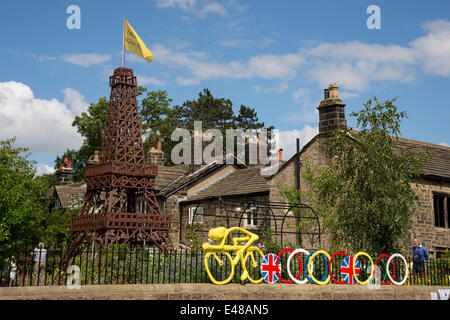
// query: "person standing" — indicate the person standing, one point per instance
point(13, 272)
point(40, 258)
point(420, 255)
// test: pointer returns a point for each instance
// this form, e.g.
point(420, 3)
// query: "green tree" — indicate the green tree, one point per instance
point(213, 112)
point(365, 196)
point(22, 204)
point(247, 118)
point(90, 125)
point(158, 121)
point(78, 163)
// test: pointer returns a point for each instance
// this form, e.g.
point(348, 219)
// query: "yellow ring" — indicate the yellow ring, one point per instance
point(309, 267)
point(362, 253)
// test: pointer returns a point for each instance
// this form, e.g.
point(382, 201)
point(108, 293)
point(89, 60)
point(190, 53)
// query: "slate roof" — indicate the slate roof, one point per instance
point(167, 175)
point(438, 167)
point(240, 182)
point(187, 179)
point(70, 192)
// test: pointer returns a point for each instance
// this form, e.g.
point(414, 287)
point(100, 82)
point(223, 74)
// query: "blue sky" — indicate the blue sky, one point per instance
point(276, 57)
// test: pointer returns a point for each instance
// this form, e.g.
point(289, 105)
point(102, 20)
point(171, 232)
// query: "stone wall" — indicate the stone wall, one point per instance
point(286, 178)
point(226, 292)
point(434, 238)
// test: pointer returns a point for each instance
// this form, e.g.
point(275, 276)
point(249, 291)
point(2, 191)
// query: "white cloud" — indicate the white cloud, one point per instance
point(233, 43)
point(433, 49)
point(347, 94)
point(187, 81)
point(304, 108)
point(213, 7)
point(288, 138)
point(42, 57)
point(86, 59)
point(355, 66)
point(268, 66)
point(43, 168)
point(190, 6)
point(75, 101)
point(142, 80)
point(43, 126)
point(261, 42)
point(182, 4)
point(282, 87)
point(444, 144)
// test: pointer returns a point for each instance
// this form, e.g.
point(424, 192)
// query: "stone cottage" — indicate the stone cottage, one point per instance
point(211, 195)
point(203, 196)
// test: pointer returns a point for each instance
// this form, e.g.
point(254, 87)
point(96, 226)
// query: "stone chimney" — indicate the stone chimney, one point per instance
point(93, 159)
point(156, 155)
point(331, 117)
point(65, 173)
point(331, 111)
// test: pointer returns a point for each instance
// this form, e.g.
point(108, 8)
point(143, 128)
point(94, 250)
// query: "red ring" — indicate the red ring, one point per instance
point(299, 263)
point(387, 270)
point(330, 265)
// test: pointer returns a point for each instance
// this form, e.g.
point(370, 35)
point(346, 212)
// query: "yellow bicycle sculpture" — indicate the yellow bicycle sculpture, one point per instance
point(221, 234)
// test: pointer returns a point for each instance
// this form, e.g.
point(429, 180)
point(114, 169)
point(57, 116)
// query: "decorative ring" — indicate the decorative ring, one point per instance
point(387, 271)
point(305, 266)
point(327, 276)
point(330, 266)
point(288, 267)
point(406, 269)
point(278, 261)
point(362, 253)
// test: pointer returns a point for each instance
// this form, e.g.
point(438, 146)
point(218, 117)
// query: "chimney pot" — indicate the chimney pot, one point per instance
point(159, 144)
point(333, 90)
point(331, 110)
point(280, 154)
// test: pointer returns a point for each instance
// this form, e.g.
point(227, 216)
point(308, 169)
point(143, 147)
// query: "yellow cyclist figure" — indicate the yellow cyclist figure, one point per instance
point(220, 234)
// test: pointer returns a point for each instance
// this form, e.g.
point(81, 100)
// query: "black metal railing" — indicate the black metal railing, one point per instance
point(136, 265)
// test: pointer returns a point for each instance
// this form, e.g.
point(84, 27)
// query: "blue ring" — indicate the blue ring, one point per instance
point(305, 266)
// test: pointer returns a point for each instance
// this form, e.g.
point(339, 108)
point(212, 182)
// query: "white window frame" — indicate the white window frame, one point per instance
point(198, 215)
point(141, 205)
point(250, 213)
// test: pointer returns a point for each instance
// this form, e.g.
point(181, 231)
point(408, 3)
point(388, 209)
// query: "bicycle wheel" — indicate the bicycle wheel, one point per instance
point(220, 268)
point(253, 264)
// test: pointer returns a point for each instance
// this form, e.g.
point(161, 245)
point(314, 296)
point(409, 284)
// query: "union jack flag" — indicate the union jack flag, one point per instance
point(347, 269)
point(269, 268)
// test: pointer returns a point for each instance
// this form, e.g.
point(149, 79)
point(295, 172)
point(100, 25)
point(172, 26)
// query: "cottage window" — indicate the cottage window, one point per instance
point(250, 218)
point(441, 206)
point(141, 206)
point(57, 204)
point(198, 217)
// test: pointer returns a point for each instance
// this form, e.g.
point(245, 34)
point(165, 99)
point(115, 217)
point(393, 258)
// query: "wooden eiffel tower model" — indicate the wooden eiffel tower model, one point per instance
point(120, 176)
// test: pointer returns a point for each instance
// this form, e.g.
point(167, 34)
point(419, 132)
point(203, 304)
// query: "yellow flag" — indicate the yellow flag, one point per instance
point(134, 44)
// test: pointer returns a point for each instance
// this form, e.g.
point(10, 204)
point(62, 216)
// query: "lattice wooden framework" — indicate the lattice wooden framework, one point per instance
point(120, 177)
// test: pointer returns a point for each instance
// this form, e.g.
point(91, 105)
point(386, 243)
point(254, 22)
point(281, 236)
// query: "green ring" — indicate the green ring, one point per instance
point(385, 271)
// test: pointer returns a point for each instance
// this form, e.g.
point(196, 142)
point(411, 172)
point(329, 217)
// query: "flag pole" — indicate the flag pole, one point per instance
point(123, 44)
